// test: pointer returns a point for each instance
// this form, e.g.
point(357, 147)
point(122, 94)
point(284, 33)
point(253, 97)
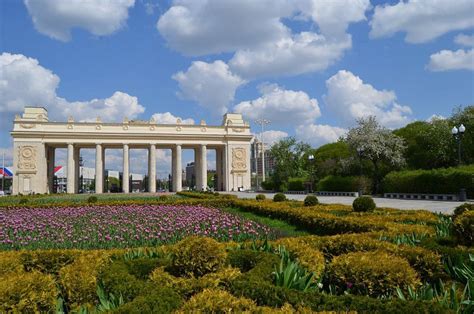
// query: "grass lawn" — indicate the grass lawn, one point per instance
point(281, 226)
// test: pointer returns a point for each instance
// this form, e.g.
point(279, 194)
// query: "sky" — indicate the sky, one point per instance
point(311, 67)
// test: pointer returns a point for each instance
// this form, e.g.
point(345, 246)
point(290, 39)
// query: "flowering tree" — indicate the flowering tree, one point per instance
point(376, 144)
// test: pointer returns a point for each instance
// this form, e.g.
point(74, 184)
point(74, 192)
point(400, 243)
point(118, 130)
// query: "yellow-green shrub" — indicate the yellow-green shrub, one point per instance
point(10, 262)
point(47, 261)
point(79, 278)
point(27, 292)
point(308, 257)
point(374, 273)
point(217, 301)
point(464, 228)
point(344, 243)
point(188, 286)
point(197, 256)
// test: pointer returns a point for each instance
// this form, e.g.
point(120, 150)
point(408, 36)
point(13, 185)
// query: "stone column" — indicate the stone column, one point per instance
point(203, 168)
point(197, 168)
point(177, 169)
point(126, 169)
point(225, 169)
point(51, 162)
point(99, 169)
point(71, 169)
point(152, 168)
point(77, 170)
point(218, 183)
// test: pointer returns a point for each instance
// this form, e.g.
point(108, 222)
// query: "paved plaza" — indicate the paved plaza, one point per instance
point(444, 207)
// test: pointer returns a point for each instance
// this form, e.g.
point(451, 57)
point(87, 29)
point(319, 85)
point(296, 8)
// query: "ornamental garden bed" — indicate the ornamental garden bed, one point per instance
point(384, 261)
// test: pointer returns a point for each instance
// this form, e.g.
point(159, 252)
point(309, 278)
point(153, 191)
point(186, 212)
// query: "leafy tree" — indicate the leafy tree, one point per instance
point(429, 144)
point(290, 160)
point(465, 116)
point(378, 145)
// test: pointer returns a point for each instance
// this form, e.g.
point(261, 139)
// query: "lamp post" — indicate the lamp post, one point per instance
point(311, 160)
point(262, 123)
point(360, 152)
point(458, 133)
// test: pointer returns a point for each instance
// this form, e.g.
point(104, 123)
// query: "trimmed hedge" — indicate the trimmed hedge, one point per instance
point(435, 181)
point(345, 184)
point(363, 204)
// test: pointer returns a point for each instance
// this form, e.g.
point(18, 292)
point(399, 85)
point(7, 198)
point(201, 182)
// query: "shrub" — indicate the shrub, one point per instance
point(118, 281)
point(268, 185)
point(279, 197)
point(311, 200)
point(363, 204)
point(374, 273)
point(23, 201)
point(154, 300)
point(142, 267)
point(163, 198)
point(260, 197)
point(438, 181)
point(344, 184)
point(462, 208)
point(464, 228)
point(197, 256)
point(296, 184)
point(92, 199)
point(308, 257)
point(217, 301)
point(79, 278)
point(28, 292)
point(49, 262)
point(245, 260)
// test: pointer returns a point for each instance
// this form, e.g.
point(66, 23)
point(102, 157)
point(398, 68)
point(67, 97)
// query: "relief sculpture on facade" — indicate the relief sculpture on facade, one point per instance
point(239, 157)
point(27, 158)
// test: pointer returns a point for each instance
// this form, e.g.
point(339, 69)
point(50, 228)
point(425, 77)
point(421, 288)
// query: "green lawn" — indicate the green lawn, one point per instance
point(282, 226)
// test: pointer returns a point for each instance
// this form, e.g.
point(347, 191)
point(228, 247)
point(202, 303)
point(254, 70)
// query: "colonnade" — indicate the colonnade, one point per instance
point(73, 156)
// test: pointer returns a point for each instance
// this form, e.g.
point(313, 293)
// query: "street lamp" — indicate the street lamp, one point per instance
point(360, 152)
point(311, 160)
point(458, 133)
point(262, 123)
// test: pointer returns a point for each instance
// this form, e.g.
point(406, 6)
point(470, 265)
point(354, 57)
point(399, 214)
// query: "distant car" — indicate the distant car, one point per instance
point(2, 193)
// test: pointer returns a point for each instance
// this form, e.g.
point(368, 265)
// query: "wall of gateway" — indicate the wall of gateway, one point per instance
point(35, 140)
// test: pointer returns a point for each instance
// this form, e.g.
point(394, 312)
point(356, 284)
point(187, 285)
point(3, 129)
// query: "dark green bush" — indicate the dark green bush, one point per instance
point(438, 181)
point(279, 197)
point(296, 184)
point(345, 184)
point(117, 280)
point(23, 201)
point(153, 300)
point(266, 294)
point(245, 260)
point(260, 197)
point(462, 208)
point(363, 204)
point(48, 262)
point(164, 198)
point(268, 185)
point(142, 267)
point(311, 200)
point(92, 199)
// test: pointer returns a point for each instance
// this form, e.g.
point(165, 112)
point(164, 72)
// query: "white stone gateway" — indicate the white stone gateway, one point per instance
point(35, 139)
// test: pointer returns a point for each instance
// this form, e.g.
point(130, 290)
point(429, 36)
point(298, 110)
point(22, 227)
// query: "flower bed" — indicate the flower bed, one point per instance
point(120, 226)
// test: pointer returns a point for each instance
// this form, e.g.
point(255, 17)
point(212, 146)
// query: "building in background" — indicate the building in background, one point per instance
point(256, 159)
point(190, 175)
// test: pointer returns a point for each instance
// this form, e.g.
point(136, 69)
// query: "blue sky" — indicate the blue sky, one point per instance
point(310, 66)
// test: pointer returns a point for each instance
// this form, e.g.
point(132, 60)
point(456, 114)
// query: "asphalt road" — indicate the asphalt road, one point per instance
point(445, 207)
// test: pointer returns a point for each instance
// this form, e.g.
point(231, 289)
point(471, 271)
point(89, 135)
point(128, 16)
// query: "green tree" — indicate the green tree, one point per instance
point(429, 144)
point(378, 145)
point(465, 116)
point(290, 161)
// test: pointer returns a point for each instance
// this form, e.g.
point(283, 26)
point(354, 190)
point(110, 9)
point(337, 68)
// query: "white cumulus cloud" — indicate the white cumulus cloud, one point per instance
point(301, 53)
point(351, 98)
point(169, 118)
point(319, 134)
point(447, 60)
point(24, 82)
point(212, 85)
point(56, 18)
point(464, 40)
point(270, 137)
point(422, 21)
point(280, 106)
